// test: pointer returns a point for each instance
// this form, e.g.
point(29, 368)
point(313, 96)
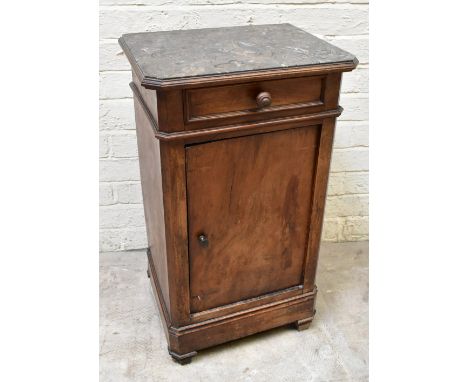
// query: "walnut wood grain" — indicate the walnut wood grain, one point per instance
point(318, 202)
point(237, 100)
point(175, 220)
point(255, 215)
point(151, 182)
point(322, 95)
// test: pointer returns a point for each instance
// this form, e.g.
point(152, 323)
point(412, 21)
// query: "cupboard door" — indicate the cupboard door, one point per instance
point(249, 201)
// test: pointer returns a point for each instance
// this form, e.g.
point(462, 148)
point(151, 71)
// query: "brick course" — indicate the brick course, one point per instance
point(343, 23)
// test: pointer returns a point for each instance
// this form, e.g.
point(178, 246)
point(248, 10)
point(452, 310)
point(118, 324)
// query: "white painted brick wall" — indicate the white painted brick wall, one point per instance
point(341, 22)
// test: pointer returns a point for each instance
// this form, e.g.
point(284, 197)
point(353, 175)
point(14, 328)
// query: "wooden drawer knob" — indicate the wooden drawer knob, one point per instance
point(264, 99)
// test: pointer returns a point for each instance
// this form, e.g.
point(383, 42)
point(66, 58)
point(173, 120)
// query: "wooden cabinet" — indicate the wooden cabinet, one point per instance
point(235, 130)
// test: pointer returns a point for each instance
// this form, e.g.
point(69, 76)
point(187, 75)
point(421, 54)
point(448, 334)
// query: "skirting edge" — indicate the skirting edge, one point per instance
point(184, 341)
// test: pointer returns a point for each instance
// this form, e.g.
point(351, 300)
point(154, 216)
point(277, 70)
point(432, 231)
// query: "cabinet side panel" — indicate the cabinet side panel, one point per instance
point(150, 170)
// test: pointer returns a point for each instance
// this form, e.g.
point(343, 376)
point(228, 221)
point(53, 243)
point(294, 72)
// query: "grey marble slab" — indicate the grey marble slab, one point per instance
point(214, 51)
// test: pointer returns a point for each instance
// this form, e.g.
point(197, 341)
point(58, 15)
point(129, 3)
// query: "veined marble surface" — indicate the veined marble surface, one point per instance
point(212, 51)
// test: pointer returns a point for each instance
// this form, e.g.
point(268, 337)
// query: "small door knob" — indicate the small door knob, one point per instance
point(264, 99)
point(203, 240)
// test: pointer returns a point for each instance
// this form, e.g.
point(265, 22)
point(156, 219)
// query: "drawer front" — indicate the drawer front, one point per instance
point(249, 201)
point(253, 101)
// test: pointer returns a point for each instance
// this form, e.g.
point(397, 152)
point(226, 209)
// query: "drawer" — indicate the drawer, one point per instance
point(209, 106)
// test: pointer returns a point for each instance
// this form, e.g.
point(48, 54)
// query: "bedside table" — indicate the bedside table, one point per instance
point(235, 131)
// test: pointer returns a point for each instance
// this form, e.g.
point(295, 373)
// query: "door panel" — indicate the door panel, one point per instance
point(248, 214)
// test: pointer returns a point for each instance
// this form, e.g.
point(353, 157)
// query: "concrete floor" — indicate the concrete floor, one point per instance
point(335, 347)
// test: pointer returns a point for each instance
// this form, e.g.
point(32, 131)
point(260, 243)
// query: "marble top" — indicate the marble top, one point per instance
point(214, 51)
